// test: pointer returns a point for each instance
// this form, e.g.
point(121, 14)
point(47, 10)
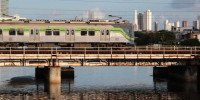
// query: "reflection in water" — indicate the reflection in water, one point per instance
point(184, 90)
point(23, 80)
point(96, 83)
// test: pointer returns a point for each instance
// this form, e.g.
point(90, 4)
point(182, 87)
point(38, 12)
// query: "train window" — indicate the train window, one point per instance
point(91, 33)
point(31, 31)
point(72, 32)
point(107, 32)
point(56, 32)
point(83, 33)
point(12, 32)
point(48, 32)
point(1, 31)
point(67, 32)
point(20, 32)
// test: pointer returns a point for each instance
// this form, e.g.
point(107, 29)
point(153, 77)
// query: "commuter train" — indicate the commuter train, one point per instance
point(74, 33)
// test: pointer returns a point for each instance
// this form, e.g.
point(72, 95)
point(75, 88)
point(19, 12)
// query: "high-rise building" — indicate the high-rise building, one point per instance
point(198, 18)
point(155, 26)
point(140, 21)
point(196, 24)
point(168, 25)
point(185, 24)
point(147, 20)
point(4, 7)
point(177, 24)
point(135, 24)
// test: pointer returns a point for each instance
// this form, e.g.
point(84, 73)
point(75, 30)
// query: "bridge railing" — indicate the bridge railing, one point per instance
point(101, 50)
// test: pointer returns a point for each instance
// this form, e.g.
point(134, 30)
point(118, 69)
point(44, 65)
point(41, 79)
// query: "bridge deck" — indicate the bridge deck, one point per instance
point(97, 56)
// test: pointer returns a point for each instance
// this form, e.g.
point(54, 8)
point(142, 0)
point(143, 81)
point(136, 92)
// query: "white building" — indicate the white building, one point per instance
point(168, 25)
point(147, 21)
point(95, 14)
point(177, 24)
point(199, 21)
point(4, 8)
point(135, 24)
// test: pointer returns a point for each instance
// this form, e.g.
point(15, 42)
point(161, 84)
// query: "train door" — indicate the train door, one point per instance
point(102, 36)
point(105, 36)
point(34, 35)
point(72, 37)
point(67, 36)
point(37, 35)
point(1, 35)
point(31, 36)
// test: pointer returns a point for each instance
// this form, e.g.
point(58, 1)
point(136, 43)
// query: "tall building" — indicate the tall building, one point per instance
point(140, 21)
point(155, 26)
point(198, 18)
point(135, 24)
point(185, 24)
point(196, 24)
point(4, 7)
point(147, 20)
point(168, 25)
point(177, 24)
point(95, 14)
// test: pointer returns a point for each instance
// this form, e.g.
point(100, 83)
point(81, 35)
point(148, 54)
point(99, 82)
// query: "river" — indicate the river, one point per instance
point(96, 83)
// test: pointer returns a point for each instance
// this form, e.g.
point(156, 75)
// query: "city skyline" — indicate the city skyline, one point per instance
point(172, 10)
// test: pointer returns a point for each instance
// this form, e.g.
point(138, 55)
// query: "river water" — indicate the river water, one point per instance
point(95, 83)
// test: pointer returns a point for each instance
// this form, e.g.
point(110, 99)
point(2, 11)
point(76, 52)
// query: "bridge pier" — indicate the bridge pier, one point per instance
point(54, 74)
point(187, 73)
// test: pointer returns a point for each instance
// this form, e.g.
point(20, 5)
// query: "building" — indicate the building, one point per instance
point(155, 26)
point(185, 24)
point(4, 8)
point(147, 21)
point(189, 34)
point(196, 25)
point(95, 14)
point(198, 18)
point(135, 24)
point(140, 21)
point(177, 24)
point(167, 25)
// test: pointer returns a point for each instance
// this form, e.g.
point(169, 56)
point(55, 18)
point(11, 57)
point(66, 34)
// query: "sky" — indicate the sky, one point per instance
point(173, 10)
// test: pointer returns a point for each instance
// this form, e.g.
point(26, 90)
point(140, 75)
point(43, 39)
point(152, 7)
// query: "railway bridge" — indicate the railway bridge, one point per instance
point(55, 58)
point(98, 56)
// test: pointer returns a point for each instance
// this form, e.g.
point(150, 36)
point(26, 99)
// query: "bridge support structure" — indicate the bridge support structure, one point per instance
point(186, 73)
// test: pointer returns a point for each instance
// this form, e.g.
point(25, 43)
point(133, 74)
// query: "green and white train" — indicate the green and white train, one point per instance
point(44, 33)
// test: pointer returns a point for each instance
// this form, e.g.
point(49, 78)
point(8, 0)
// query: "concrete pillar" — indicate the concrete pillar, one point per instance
point(55, 91)
point(178, 72)
point(55, 75)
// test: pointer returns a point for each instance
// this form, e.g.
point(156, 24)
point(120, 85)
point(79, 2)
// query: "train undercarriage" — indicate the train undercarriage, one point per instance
point(63, 44)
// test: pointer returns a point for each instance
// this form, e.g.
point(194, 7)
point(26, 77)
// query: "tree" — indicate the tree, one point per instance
point(190, 42)
point(161, 37)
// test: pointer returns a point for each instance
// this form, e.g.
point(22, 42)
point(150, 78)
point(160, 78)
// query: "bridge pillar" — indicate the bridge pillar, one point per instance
point(187, 73)
point(54, 74)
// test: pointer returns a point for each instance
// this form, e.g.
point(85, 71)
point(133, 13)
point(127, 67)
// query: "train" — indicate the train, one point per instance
point(63, 33)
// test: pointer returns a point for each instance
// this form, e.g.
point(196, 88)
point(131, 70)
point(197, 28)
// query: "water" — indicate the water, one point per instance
point(91, 83)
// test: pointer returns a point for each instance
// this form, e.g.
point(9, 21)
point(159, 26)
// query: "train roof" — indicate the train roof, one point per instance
point(44, 21)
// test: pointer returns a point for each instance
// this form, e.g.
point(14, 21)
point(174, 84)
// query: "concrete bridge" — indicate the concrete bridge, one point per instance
point(89, 56)
point(55, 58)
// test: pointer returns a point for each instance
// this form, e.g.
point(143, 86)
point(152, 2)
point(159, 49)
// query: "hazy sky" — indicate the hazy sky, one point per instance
point(67, 9)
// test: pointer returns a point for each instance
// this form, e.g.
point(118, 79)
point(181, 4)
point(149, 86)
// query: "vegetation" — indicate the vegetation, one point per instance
point(161, 37)
point(190, 42)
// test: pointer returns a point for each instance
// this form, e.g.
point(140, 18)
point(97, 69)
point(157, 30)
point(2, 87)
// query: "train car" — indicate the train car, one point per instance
point(44, 33)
